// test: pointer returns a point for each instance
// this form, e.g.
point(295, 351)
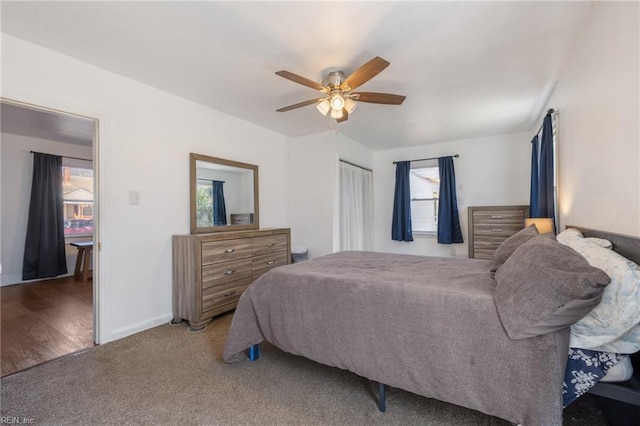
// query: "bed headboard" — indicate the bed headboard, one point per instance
point(624, 245)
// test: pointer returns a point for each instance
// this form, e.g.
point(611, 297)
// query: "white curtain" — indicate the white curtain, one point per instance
point(356, 208)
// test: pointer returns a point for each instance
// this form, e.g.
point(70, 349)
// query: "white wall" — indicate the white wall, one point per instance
point(492, 170)
point(313, 182)
point(15, 186)
point(314, 187)
point(145, 137)
point(599, 122)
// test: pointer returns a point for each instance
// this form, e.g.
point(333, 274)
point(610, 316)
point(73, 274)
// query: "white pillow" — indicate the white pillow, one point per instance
point(613, 325)
point(572, 236)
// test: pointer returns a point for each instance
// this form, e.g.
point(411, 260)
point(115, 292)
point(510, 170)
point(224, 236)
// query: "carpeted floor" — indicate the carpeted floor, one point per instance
point(168, 375)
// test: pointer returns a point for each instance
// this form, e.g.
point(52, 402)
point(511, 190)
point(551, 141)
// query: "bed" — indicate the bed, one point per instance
point(444, 328)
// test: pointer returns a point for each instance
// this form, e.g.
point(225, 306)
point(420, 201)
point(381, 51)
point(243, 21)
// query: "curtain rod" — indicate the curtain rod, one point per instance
point(424, 159)
point(355, 165)
point(63, 156)
point(549, 111)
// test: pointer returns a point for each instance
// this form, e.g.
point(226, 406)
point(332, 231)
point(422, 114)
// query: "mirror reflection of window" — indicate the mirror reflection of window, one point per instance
point(211, 206)
point(204, 194)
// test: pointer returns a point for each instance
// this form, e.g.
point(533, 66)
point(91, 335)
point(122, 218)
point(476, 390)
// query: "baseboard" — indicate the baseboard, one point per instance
point(16, 278)
point(136, 328)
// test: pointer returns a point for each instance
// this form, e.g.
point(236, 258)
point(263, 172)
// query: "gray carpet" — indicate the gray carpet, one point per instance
point(168, 375)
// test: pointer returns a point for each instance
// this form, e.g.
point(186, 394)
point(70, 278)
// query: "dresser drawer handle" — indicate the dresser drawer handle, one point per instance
point(271, 244)
point(230, 271)
point(496, 230)
point(229, 250)
point(229, 293)
point(496, 217)
point(271, 262)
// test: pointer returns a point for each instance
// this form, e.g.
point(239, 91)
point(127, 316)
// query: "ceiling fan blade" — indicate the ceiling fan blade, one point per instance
point(301, 80)
point(365, 73)
point(378, 98)
point(299, 105)
point(345, 116)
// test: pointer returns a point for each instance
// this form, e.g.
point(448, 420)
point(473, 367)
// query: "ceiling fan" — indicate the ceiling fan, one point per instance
point(338, 97)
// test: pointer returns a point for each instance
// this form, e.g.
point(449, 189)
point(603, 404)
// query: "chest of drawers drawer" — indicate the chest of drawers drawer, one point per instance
point(269, 244)
point(515, 217)
point(495, 230)
point(224, 272)
point(223, 251)
point(261, 264)
point(223, 295)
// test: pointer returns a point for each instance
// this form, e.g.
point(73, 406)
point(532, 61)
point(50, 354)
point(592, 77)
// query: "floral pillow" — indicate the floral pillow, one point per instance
point(613, 325)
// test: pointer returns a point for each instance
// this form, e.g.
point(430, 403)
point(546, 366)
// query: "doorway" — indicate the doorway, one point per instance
point(47, 318)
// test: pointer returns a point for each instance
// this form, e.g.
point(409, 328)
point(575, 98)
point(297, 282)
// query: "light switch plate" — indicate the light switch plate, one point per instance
point(134, 198)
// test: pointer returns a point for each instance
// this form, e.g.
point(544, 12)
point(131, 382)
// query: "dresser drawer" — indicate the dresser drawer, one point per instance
point(215, 297)
point(269, 244)
point(495, 230)
point(488, 242)
point(515, 217)
point(483, 254)
point(222, 273)
point(262, 264)
point(222, 251)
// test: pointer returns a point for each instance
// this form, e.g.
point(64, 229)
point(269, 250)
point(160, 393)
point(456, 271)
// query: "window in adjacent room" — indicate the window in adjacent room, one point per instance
point(424, 180)
point(77, 186)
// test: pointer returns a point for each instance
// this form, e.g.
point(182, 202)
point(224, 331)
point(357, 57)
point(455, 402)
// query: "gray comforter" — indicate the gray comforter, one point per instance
point(427, 325)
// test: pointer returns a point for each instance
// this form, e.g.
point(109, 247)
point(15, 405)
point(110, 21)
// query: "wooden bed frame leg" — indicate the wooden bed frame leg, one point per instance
point(254, 352)
point(382, 398)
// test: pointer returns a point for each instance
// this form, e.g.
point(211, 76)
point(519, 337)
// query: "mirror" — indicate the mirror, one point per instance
point(224, 194)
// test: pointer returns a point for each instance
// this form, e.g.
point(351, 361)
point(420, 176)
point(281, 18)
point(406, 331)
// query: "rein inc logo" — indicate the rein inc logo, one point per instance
point(14, 420)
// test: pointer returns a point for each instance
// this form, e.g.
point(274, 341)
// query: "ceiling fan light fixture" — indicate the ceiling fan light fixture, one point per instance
point(336, 113)
point(350, 105)
point(337, 102)
point(323, 106)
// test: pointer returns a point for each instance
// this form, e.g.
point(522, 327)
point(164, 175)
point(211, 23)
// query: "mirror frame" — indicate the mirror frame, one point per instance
point(195, 229)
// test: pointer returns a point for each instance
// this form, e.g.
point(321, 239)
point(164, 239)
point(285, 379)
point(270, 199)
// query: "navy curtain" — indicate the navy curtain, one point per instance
point(545, 188)
point(542, 196)
point(219, 207)
point(44, 255)
point(448, 222)
point(533, 195)
point(401, 227)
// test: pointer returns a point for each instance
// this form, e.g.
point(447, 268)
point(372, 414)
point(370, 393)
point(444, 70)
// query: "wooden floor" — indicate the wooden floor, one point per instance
point(44, 320)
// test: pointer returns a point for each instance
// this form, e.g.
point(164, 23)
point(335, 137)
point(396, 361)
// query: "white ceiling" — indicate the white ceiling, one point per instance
point(468, 69)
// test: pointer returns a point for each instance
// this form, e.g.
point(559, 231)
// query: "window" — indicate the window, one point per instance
point(77, 187)
point(424, 181)
point(204, 195)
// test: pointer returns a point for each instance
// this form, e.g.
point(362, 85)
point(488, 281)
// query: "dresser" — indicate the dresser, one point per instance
point(489, 226)
point(210, 271)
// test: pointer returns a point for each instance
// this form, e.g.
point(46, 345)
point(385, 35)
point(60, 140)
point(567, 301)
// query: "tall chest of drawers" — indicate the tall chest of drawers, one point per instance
point(489, 226)
point(210, 271)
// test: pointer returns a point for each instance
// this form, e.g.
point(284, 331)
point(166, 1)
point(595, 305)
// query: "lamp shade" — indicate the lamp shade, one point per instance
point(543, 225)
point(336, 113)
point(349, 105)
point(323, 106)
